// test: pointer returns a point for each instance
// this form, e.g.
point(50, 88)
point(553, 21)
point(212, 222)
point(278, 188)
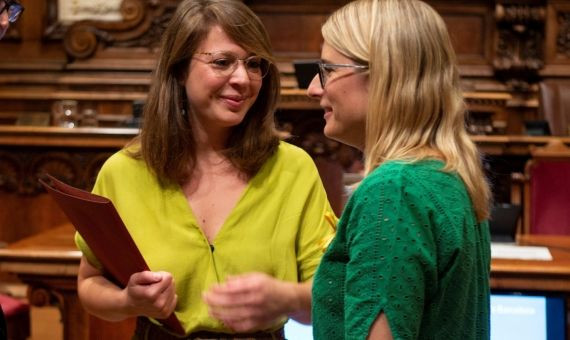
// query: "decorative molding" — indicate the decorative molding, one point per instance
point(40, 296)
point(563, 38)
point(142, 25)
point(20, 168)
point(70, 11)
point(519, 51)
point(9, 172)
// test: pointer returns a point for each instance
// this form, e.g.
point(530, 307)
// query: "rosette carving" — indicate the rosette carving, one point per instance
point(132, 10)
point(42, 296)
point(141, 19)
point(82, 40)
point(58, 165)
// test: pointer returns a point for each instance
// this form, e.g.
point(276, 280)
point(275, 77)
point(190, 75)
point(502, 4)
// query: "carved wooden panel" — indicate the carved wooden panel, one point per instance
point(557, 49)
point(26, 208)
point(519, 50)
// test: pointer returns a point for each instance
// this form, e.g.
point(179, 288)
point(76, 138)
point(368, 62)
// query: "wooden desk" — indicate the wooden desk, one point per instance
point(535, 275)
point(48, 262)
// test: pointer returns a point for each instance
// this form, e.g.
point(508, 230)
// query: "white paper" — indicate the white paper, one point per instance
point(512, 251)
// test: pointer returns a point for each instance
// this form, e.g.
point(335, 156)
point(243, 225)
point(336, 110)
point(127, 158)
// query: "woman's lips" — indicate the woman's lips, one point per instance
point(233, 102)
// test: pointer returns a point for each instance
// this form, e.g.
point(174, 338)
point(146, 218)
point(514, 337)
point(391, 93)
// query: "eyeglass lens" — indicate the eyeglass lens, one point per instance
point(226, 63)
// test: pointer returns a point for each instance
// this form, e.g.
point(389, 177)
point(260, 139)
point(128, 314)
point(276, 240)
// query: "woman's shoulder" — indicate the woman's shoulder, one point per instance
point(122, 162)
point(405, 174)
point(291, 155)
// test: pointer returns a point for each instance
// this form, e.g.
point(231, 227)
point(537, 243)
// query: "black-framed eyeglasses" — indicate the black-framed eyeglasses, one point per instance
point(325, 70)
point(225, 63)
point(13, 8)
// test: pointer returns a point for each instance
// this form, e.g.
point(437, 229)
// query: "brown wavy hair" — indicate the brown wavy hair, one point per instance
point(166, 142)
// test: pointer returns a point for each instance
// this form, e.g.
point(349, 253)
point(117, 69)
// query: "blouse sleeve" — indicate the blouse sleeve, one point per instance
point(317, 222)
point(392, 258)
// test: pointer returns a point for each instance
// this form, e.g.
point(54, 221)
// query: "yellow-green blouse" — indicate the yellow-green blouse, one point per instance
point(277, 227)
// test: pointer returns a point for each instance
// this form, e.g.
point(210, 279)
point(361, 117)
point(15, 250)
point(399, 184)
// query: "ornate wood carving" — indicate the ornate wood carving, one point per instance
point(41, 296)
point(20, 168)
point(519, 55)
point(142, 25)
point(563, 38)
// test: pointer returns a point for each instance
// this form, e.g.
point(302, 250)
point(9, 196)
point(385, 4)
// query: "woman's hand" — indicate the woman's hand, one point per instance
point(256, 301)
point(147, 293)
point(151, 294)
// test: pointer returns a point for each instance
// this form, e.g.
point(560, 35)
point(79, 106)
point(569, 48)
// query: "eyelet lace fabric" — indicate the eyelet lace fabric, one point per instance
point(409, 245)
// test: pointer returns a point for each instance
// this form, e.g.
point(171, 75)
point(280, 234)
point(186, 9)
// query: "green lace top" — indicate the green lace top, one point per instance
point(409, 245)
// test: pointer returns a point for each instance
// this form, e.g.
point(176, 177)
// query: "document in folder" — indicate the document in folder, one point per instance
point(100, 225)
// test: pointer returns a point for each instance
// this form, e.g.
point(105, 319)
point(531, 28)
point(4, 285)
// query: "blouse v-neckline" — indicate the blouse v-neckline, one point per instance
point(233, 211)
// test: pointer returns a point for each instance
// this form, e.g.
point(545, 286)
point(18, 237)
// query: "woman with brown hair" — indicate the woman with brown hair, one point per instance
point(229, 219)
point(411, 257)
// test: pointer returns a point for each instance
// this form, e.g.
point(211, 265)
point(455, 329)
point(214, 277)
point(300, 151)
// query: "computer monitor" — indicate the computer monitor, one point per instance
point(503, 222)
point(297, 331)
point(305, 71)
point(528, 316)
point(514, 315)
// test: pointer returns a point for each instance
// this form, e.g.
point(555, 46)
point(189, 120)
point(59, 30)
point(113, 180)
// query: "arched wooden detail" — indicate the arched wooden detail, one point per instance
point(9, 172)
point(142, 25)
point(20, 169)
point(519, 49)
point(93, 167)
point(57, 164)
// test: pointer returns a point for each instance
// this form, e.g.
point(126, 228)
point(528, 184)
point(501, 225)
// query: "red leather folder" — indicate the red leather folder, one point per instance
point(100, 225)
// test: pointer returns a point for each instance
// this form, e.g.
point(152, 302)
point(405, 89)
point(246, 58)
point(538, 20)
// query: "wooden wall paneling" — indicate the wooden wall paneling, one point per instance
point(557, 40)
point(470, 26)
point(73, 155)
point(295, 26)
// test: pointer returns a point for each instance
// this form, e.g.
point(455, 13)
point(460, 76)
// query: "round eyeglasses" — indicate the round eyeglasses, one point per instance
point(225, 63)
point(326, 69)
point(13, 8)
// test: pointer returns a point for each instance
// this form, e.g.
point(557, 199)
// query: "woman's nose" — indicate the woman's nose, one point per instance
point(240, 74)
point(315, 90)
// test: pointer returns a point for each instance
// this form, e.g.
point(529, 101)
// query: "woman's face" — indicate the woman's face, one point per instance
point(344, 99)
point(219, 96)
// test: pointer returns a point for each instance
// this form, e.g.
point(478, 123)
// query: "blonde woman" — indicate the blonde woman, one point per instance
point(229, 219)
point(411, 256)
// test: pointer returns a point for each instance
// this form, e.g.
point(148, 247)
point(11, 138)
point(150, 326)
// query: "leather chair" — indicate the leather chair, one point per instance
point(546, 191)
point(554, 105)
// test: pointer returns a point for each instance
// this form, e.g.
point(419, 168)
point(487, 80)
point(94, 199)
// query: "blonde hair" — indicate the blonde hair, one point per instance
point(416, 105)
point(166, 142)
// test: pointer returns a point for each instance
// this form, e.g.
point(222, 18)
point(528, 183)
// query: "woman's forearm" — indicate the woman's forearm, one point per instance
point(301, 302)
point(99, 296)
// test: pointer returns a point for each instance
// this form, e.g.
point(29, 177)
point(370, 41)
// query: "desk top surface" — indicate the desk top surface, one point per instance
point(559, 247)
point(51, 245)
point(57, 246)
